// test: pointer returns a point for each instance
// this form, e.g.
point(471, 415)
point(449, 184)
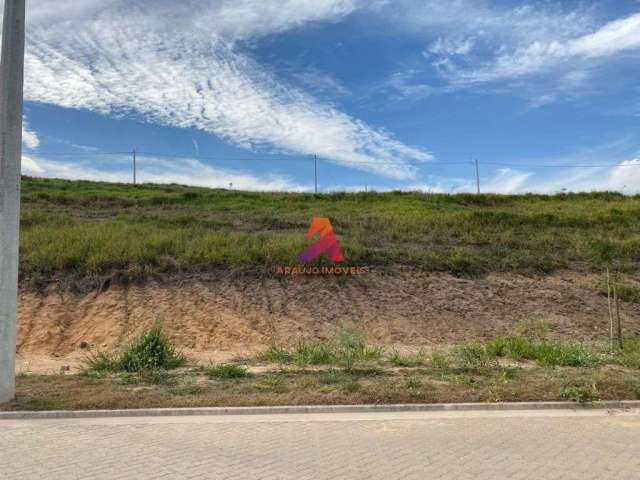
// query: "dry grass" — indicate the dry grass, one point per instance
point(301, 387)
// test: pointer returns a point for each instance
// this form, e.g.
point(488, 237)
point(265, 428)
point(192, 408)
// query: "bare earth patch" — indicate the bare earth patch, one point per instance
point(221, 316)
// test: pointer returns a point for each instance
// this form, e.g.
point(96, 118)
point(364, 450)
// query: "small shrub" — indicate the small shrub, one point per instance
point(151, 350)
point(473, 355)
point(520, 348)
point(100, 362)
point(313, 354)
point(275, 354)
point(497, 347)
point(516, 348)
point(580, 393)
point(226, 371)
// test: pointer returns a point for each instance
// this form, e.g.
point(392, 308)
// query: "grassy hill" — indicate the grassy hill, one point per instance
point(90, 229)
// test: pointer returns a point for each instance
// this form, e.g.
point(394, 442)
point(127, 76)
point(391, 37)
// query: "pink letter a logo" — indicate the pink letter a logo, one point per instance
point(326, 243)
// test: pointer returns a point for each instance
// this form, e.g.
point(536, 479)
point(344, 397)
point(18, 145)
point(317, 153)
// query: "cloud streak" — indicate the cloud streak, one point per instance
point(157, 170)
point(121, 59)
point(30, 138)
point(541, 50)
point(613, 38)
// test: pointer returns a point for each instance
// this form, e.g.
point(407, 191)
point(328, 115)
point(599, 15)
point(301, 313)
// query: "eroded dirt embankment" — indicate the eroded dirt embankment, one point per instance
point(234, 315)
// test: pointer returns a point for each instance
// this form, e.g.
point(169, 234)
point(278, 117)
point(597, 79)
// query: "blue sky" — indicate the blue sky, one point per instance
point(387, 93)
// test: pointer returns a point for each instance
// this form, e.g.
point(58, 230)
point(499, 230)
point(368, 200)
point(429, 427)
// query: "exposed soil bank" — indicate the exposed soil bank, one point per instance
point(240, 315)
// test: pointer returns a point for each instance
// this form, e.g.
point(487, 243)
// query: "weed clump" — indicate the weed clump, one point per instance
point(226, 371)
point(474, 355)
point(545, 353)
point(580, 393)
point(408, 361)
point(151, 350)
point(345, 349)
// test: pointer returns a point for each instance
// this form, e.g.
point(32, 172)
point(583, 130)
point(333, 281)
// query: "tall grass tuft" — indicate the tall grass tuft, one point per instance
point(151, 350)
point(345, 349)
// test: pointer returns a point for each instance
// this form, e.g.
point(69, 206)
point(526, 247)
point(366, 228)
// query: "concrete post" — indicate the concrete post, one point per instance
point(11, 90)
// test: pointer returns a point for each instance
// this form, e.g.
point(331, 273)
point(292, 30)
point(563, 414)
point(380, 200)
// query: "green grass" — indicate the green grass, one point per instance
point(346, 349)
point(475, 372)
point(226, 371)
point(90, 229)
point(629, 356)
point(546, 353)
point(412, 360)
point(580, 393)
point(152, 350)
point(473, 355)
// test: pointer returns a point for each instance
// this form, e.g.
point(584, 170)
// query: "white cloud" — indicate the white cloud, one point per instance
point(30, 166)
point(451, 46)
point(180, 64)
point(507, 180)
point(158, 170)
point(405, 85)
point(247, 18)
point(625, 177)
point(613, 38)
point(321, 82)
point(539, 50)
point(487, 21)
point(30, 138)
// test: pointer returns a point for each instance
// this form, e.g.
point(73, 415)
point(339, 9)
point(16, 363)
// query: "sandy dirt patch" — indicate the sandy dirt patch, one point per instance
point(225, 315)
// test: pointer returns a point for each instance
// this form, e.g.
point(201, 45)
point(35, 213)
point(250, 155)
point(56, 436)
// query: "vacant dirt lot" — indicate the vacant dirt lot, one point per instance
point(218, 316)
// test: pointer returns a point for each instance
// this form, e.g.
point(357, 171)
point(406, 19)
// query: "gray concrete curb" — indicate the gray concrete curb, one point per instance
point(433, 407)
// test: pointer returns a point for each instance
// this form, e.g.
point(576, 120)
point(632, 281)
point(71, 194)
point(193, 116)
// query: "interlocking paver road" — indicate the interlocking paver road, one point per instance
point(454, 445)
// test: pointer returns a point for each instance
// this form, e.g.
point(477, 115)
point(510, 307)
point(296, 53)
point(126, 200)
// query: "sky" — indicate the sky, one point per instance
point(386, 94)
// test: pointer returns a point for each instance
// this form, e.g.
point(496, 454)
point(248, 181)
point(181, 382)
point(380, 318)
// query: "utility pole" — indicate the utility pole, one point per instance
point(315, 164)
point(477, 175)
point(134, 166)
point(11, 99)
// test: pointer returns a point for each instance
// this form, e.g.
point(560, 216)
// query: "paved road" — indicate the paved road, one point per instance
point(444, 445)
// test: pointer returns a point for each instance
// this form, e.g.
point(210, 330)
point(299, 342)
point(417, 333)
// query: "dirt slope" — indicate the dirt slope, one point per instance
point(241, 314)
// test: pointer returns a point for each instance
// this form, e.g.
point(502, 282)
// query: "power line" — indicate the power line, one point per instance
point(316, 158)
point(290, 159)
point(78, 154)
point(547, 165)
